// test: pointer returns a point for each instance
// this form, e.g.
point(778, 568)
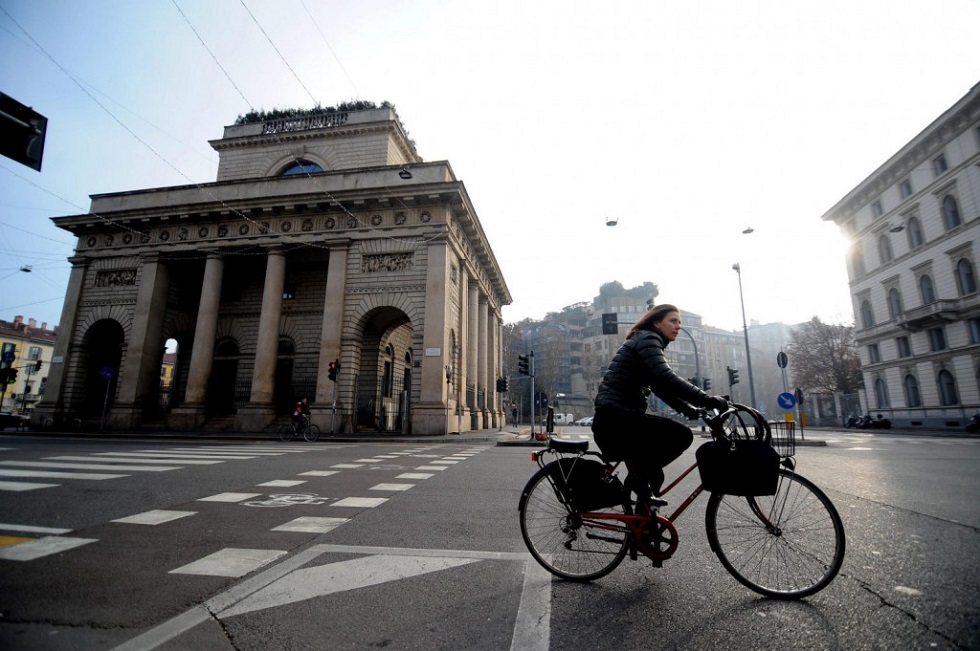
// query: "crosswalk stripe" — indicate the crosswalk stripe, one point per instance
point(154, 517)
point(27, 528)
point(86, 466)
point(41, 547)
point(249, 452)
point(172, 455)
point(14, 472)
point(231, 562)
point(21, 486)
point(192, 462)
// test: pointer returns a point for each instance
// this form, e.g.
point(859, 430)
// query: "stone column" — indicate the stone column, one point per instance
point(493, 356)
point(472, 346)
point(482, 372)
point(267, 342)
point(192, 413)
point(464, 348)
point(331, 336)
point(140, 374)
point(431, 414)
point(52, 406)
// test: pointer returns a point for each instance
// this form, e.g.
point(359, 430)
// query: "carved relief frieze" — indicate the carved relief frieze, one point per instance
point(286, 226)
point(386, 262)
point(380, 289)
point(308, 224)
point(115, 278)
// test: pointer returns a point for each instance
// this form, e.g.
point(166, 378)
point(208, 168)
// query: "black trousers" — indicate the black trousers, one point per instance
point(647, 443)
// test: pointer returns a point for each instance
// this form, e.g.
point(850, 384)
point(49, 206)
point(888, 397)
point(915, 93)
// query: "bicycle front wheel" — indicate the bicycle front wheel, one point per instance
point(566, 543)
point(311, 433)
point(789, 545)
point(286, 432)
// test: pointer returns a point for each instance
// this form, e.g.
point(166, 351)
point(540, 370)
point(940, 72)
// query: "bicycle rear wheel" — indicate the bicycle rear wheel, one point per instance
point(286, 432)
point(564, 542)
point(789, 545)
point(311, 433)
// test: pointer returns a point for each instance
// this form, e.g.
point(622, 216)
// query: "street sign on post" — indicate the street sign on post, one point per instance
point(781, 359)
point(609, 324)
point(786, 400)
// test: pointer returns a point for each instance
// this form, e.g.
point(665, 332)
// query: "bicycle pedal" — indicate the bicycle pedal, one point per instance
point(657, 562)
point(656, 503)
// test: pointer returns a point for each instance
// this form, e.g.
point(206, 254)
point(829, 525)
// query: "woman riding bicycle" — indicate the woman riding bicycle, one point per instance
point(301, 413)
point(622, 429)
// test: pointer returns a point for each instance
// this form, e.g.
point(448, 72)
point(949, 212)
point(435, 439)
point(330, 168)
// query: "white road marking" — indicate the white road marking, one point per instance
point(347, 466)
point(194, 462)
point(311, 525)
point(252, 453)
point(342, 576)
point(370, 460)
point(318, 473)
point(283, 483)
point(172, 457)
point(28, 551)
point(909, 591)
point(155, 517)
point(26, 528)
point(432, 467)
point(445, 462)
point(532, 630)
point(392, 487)
point(20, 486)
point(361, 502)
point(415, 475)
point(231, 562)
point(13, 472)
point(86, 466)
point(228, 497)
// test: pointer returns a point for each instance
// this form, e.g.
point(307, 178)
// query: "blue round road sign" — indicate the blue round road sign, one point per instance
point(106, 373)
point(786, 400)
point(7, 357)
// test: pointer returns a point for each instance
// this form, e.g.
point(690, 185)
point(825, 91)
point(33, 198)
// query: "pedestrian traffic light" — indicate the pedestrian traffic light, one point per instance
point(333, 369)
point(706, 383)
point(732, 376)
point(522, 365)
point(11, 375)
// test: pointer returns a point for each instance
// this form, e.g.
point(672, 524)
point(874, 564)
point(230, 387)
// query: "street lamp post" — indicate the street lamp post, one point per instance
point(745, 328)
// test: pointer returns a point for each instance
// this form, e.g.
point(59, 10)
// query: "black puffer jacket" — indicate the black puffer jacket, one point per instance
point(640, 363)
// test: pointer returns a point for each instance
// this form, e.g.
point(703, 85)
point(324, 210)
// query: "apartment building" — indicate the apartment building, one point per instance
point(915, 230)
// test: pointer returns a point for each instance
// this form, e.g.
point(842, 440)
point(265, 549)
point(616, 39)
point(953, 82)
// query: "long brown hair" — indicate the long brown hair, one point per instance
point(655, 314)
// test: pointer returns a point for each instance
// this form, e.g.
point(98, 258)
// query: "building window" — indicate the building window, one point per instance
point(966, 281)
point(300, 167)
point(947, 389)
point(914, 230)
point(905, 188)
point(951, 212)
point(937, 339)
point(974, 327)
point(34, 353)
point(885, 249)
point(903, 346)
point(912, 396)
point(894, 303)
point(867, 316)
point(939, 165)
point(858, 261)
point(873, 355)
point(926, 289)
point(881, 394)
point(876, 209)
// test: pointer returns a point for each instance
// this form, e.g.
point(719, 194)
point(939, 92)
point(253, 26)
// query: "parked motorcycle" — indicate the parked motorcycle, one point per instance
point(852, 421)
point(867, 422)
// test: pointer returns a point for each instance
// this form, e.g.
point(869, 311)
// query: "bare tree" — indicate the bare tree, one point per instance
point(825, 357)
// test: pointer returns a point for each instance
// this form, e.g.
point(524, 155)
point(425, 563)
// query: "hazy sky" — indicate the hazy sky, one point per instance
point(685, 121)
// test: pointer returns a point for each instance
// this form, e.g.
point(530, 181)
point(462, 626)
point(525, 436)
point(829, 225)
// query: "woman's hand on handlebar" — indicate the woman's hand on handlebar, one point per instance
point(718, 403)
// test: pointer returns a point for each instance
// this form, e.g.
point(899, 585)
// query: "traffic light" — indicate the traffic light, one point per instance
point(706, 383)
point(11, 375)
point(610, 326)
point(732, 376)
point(522, 365)
point(37, 366)
point(333, 369)
point(503, 384)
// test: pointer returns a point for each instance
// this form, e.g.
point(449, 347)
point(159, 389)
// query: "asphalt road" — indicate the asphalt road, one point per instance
point(416, 545)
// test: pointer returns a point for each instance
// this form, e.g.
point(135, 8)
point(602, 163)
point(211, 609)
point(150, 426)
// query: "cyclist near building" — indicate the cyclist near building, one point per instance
point(622, 429)
point(301, 414)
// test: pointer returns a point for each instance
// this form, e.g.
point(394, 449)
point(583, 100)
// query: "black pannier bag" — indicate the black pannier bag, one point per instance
point(581, 482)
point(750, 468)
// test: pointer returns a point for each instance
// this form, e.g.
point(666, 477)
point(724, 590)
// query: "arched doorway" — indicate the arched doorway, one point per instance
point(101, 357)
point(382, 397)
point(169, 372)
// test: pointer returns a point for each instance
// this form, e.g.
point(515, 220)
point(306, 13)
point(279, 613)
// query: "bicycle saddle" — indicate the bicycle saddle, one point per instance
point(572, 447)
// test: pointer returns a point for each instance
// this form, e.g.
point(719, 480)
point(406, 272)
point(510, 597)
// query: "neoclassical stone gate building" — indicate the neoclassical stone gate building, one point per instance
point(324, 238)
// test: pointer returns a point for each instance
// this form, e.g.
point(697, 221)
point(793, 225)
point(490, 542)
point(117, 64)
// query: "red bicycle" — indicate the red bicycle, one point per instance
point(787, 545)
